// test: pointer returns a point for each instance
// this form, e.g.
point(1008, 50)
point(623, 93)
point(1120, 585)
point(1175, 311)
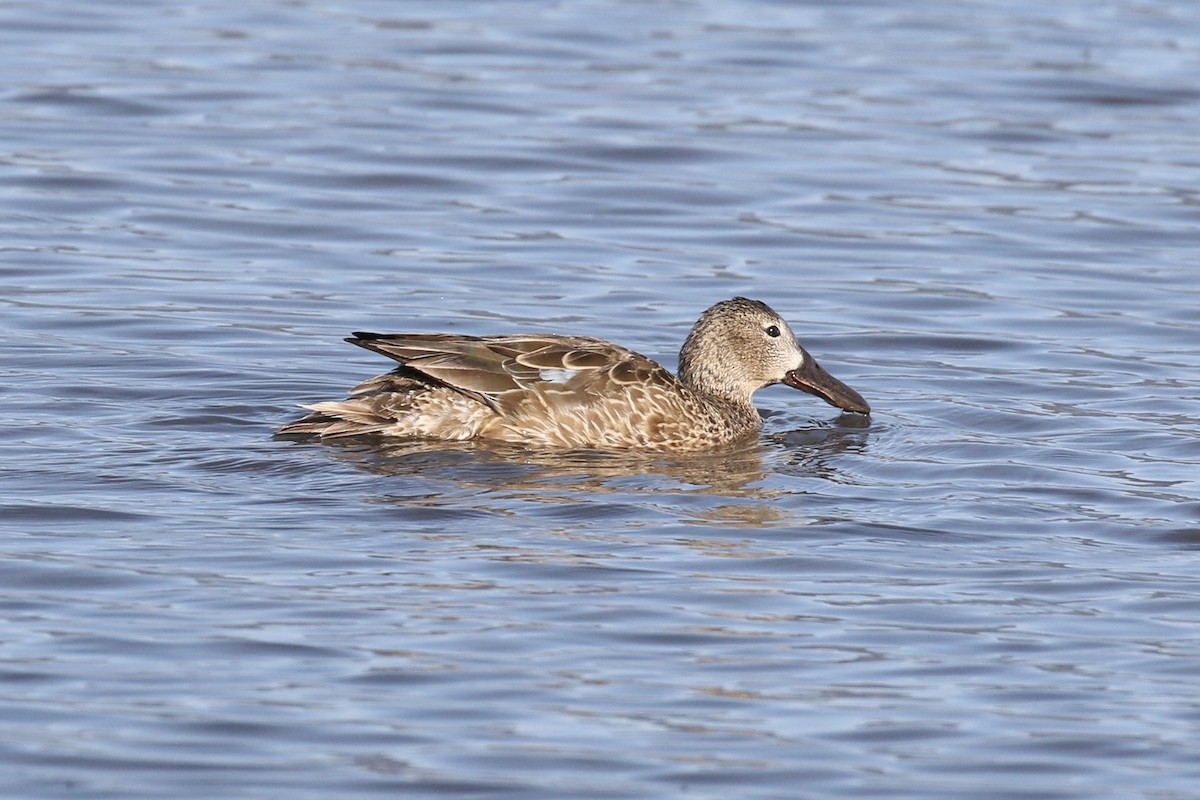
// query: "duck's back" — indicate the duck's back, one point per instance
point(541, 390)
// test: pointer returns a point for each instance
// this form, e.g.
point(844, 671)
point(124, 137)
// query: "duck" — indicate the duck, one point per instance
point(562, 392)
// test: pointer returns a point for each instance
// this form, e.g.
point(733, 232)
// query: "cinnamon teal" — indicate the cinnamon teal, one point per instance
point(576, 392)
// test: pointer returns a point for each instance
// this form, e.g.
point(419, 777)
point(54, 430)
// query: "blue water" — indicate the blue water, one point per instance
point(983, 216)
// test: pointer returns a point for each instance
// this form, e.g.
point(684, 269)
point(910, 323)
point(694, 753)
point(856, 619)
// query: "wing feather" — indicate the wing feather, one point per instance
point(486, 368)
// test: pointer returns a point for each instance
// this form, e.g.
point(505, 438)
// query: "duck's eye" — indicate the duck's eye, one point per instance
point(772, 331)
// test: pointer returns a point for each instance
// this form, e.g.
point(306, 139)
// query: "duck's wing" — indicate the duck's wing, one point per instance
point(489, 367)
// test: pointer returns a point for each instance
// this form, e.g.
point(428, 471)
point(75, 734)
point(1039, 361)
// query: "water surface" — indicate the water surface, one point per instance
point(984, 216)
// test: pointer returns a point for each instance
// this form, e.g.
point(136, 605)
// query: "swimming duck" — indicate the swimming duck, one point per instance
point(576, 392)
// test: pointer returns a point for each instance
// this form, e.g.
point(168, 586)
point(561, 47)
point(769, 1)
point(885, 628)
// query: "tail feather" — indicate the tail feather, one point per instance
point(333, 419)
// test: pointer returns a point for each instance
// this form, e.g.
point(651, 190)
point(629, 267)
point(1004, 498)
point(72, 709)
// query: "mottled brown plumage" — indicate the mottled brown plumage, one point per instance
point(574, 392)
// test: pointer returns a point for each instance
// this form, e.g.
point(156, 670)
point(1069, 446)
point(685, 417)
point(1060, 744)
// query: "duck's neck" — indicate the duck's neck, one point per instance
point(709, 385)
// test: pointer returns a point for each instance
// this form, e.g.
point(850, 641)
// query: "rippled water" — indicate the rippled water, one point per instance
point(984, 216)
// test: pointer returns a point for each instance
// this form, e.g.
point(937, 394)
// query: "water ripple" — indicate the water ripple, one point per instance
point(983, 216)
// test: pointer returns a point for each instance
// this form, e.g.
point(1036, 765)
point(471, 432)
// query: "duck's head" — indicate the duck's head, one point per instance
point(739, 346)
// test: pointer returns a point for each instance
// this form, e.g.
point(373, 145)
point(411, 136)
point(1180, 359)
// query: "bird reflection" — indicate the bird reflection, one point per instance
point(814, 450)
point(810, 451)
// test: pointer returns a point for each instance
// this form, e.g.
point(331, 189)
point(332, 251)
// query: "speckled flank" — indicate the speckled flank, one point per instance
point(572, 392)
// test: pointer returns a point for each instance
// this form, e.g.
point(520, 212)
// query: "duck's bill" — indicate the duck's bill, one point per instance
point(812, 378)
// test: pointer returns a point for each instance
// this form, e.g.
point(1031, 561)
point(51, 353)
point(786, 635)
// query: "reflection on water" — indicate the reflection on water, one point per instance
point(811, 451)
